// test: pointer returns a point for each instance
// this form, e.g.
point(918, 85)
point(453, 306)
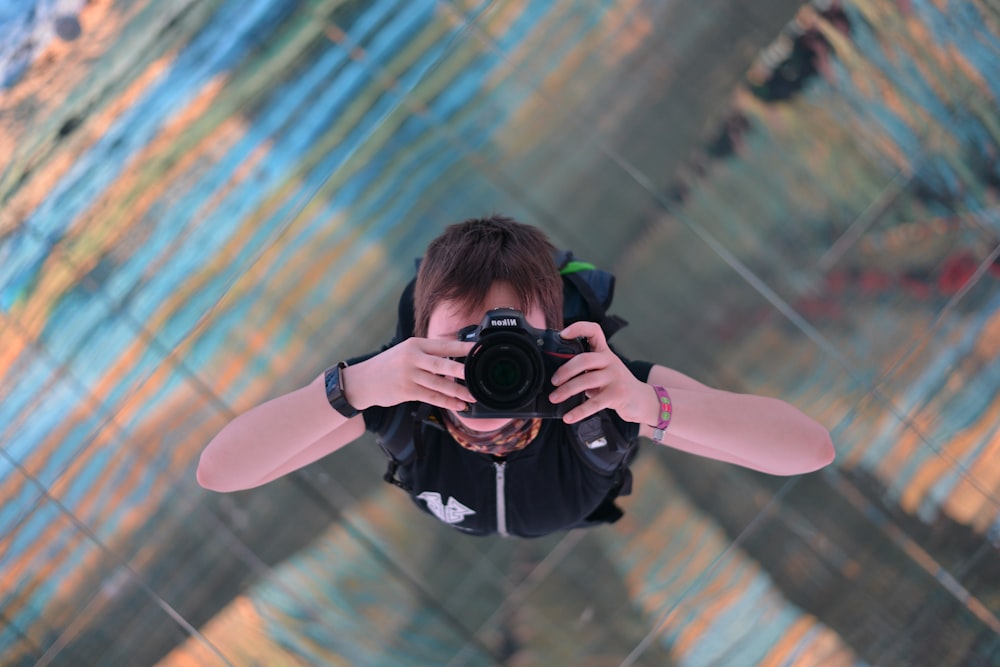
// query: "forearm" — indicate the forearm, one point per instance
point(263, 438)
point(758, 432)
point(350, 431)
point(293, 430)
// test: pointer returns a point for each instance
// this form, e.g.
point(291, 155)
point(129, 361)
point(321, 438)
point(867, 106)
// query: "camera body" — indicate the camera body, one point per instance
point(509, 370)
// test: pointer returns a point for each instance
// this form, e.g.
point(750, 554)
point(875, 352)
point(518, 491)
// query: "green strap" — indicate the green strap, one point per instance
point(575, 265)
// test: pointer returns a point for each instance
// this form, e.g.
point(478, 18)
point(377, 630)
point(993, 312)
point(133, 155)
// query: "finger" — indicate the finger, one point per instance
point(444, 348)
point(441, 366)
point(592, 382)
point(586, 409)
point(581, 363)
point(431, 397)
point(444, 386)
point(589, 330)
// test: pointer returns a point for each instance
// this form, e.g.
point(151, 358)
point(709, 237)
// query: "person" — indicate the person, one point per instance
point(490, 474)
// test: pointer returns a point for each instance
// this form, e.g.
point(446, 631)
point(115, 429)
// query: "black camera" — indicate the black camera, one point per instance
point(509, 369)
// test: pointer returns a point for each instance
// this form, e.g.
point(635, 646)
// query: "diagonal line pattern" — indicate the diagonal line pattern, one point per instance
point(131, 573)
point(888, 196)
point(718, 247)
point(646, 641)
point(151, 339)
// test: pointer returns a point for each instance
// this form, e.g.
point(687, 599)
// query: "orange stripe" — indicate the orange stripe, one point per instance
point(45, 89)
point(955, 449)
point(726, 586)
point(782, 650)
point(967, 504)
point(118, 210)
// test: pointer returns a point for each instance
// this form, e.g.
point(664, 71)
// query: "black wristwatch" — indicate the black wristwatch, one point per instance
point(335, 391)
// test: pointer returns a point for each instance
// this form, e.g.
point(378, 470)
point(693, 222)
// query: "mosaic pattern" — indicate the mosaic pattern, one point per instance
point(204, 203)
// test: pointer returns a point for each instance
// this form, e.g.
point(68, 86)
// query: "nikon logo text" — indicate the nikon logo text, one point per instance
point(505, 322)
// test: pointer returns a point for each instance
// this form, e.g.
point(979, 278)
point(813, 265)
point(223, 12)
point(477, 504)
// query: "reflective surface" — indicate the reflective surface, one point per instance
point(205, 204)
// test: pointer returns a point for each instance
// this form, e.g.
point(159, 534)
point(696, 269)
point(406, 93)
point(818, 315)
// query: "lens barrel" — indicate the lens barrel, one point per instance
point(504, 371)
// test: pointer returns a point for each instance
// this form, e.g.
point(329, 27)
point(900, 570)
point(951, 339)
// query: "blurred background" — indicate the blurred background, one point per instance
point(203, 204)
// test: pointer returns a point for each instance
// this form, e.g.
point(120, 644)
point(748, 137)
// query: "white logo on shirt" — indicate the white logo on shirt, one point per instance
point(453, 512)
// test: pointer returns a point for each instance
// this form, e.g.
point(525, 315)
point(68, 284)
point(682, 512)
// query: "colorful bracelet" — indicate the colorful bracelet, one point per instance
point(666, 411)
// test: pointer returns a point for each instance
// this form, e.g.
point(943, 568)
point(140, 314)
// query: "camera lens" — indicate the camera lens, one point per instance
point(504, 372)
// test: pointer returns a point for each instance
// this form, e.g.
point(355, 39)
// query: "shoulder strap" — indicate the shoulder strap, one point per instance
point(587, 293)
point(601, 445)
point(397, 443)
point(402, 438)
point(406, 322)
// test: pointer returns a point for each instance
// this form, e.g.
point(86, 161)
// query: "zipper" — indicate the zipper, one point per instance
point(501, 503)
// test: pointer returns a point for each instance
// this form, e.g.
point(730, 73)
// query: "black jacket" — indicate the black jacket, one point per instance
point(555, 483)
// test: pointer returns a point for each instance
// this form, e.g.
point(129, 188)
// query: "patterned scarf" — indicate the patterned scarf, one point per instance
point(515, 435)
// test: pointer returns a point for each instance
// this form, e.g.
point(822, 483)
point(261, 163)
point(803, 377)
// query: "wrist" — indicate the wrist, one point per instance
point(352, 382)
point(663, 412)
point(644, 406)
point(649, 406)
point(336, 395)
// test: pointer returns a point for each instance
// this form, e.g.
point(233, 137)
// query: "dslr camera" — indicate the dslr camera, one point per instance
point(509, 369)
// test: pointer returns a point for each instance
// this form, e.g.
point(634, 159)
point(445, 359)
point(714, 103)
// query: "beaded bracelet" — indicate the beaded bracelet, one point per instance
point(666, 411)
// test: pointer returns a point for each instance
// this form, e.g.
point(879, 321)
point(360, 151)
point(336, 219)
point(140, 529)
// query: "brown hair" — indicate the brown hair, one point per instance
point(469, 257)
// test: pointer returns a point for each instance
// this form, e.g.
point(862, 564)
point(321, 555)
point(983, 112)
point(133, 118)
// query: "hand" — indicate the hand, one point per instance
point(418, 369)
point(602, 377)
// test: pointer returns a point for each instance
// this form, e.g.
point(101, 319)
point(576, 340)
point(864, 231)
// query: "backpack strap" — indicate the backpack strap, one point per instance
point(402, 439)
point(406, 322)
point(396, 443)
point(590, 297)
point(601, 443)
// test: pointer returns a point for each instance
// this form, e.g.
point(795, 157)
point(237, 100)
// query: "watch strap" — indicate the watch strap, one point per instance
point(335, 391)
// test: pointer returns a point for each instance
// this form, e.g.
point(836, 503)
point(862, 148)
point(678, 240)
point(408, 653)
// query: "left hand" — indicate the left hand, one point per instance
point(602, 377)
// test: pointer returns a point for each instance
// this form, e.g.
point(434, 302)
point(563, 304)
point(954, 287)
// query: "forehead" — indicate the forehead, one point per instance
point(450, 315)
point(453, 310)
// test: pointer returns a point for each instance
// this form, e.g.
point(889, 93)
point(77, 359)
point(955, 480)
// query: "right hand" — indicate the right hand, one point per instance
point(417, 369)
